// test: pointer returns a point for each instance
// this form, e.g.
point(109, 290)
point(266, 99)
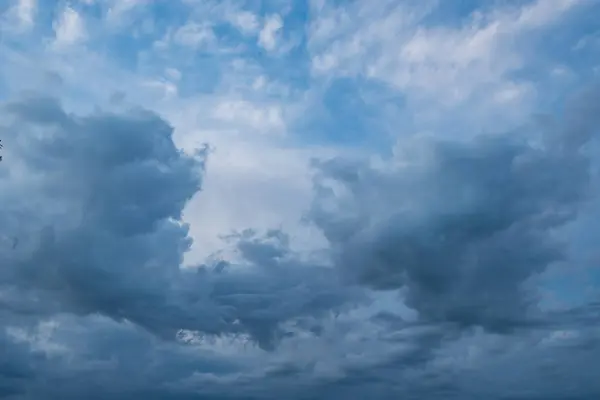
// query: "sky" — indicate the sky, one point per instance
point(304, 200)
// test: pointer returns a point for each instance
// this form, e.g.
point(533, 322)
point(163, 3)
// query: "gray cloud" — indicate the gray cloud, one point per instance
point(108, 240)
point(461, 226)
point(95, 304)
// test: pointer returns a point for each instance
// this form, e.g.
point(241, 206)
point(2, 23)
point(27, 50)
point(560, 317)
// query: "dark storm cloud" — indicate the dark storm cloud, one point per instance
point(101, 197)
point(462, 226)
point(95, 304)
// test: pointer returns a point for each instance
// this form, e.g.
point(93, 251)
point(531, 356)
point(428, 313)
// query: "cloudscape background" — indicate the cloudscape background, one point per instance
point(299, 199)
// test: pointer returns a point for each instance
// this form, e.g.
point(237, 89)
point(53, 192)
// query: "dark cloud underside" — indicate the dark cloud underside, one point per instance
point(95, 303)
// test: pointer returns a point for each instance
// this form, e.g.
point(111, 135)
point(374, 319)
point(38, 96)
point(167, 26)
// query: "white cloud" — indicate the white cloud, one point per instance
point(440, 66)
point(119, 9)
point(268, 35)
point(245, 21)
point(253, 179)
point(250, 184)
point(265, 119)
point(194, 35)
point(69, 28)
point(173, 74)
point(26, 11)
point(20, 17)
point(164, 87)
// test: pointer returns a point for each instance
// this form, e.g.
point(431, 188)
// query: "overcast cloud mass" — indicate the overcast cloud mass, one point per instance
point(299, 199)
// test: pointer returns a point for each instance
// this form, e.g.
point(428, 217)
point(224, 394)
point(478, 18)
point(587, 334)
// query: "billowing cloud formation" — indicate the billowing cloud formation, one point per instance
point(462, 226)
point(93, 293)
point(451, 266)
point(105, 190)
point(99, 232)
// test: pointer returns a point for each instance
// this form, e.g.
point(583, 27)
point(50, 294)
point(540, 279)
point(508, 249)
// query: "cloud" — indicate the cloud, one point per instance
point(426, 59)
point(246, 21)
point(477, 65)
point(268, 35)
point(102, 244)
point(461, 226)
point(194, 35)
point(164, 235)
point(110, 239)
point(20, 17)
point(69, 28)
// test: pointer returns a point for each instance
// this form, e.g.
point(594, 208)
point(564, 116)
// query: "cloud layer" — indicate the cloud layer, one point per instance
point(323, 200)
point(459, 228)
point(462, 226)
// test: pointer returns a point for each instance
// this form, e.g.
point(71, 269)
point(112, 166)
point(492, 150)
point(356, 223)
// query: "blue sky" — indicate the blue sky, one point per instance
point(397, 199)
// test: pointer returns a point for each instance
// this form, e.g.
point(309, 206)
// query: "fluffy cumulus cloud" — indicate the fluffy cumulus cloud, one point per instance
point(322, 200)
point(460, 226)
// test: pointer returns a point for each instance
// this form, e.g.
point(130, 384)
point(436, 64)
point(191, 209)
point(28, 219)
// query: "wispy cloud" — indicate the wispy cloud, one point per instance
point(20, 16)
point(69, 28)
point(474, 64)
point(268, 34)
